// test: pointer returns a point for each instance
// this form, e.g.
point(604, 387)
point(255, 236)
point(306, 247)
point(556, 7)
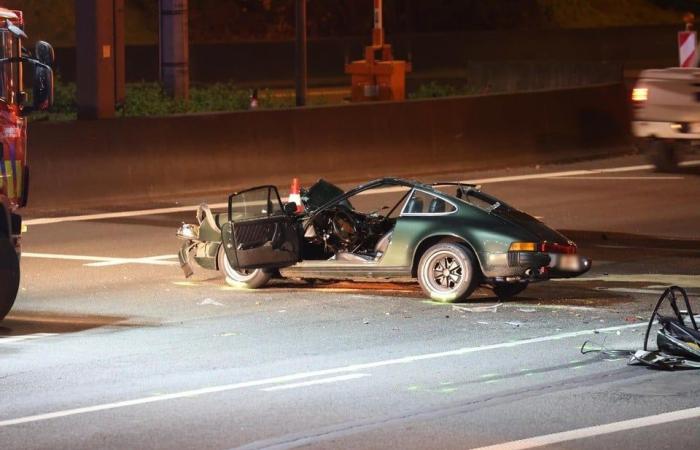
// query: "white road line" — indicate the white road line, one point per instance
point(311, 374)
point(161, 260)
point(98, 261)
point(175, 209)
point(25, 337)
point(582, 433)
point(652, 178)
point(119, 215)
point(315, 382)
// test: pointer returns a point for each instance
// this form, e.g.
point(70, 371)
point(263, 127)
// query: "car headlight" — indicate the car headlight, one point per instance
point(188, 232)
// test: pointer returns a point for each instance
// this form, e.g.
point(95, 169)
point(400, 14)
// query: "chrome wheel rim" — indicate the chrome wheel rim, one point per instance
point(444, 272)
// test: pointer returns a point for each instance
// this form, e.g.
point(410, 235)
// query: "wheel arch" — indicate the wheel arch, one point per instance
point(429, 241)
point(5, 231)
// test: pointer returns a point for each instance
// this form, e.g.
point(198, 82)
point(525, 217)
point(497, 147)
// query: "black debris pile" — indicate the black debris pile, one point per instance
point(677, 337)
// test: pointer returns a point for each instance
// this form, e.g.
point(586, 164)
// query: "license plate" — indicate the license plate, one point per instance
point(569, 263)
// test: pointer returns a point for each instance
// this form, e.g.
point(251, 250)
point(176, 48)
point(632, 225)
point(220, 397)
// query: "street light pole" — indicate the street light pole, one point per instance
point(300, 53)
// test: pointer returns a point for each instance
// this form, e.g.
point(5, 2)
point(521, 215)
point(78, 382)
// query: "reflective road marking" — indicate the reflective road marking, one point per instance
point(304, 375)
point(315, 382)
point(26, 337)
point(175, 209)
point(100, 261)
point(582, 433)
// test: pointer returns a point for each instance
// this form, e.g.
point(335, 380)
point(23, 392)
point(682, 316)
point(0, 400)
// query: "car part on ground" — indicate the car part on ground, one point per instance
point(677, 339)
point(451, 237)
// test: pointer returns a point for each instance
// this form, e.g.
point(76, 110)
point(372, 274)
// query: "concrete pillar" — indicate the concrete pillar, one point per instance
point(300, 66)
point(174, 48)
point(95, 58)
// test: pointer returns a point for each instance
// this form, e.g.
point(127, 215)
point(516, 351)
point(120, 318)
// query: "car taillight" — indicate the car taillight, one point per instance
point(523, 247)
point(640, 95)
point(553, 247)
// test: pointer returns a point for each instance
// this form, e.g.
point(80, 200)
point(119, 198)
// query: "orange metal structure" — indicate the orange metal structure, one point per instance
point(375, 78)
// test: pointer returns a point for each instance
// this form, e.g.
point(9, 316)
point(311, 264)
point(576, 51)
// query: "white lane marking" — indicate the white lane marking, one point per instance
point(652, 178)
point(315, 382)
point(157, 260)
point(96, 261)
point(311, 374)
point(25, 337)
point(149, 212)
point(539, 176)
point(119, 215)
point(687, 281)
point(588, 432)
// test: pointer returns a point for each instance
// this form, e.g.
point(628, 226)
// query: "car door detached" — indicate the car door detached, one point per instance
point(258, 233)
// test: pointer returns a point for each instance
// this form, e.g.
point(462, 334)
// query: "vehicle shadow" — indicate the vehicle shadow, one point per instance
point(23, 323)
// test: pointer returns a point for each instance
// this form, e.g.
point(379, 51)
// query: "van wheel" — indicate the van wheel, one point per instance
point(447, 272)
point(244, 279)
point(9, 276)
point(663, 154)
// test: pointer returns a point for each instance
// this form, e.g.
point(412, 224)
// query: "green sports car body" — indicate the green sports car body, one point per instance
point(452, 237)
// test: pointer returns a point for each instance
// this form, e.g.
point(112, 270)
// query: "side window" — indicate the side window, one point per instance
point(256, 203)
point(423, 203)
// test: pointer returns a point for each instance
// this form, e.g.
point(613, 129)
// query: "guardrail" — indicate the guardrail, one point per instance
point(139, 159)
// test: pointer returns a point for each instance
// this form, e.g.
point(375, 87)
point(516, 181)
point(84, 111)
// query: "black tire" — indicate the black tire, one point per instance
point(664, 155)
point(9, 276)
point(504, 291)
point(448, 272)
point(243, 279)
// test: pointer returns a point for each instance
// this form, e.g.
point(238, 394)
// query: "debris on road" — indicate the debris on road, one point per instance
point(677, 339)
point(478, 309)
point(209, 301)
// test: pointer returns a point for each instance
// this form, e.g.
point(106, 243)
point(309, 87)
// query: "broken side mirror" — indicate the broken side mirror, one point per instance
point(43, 51)
point(42, 95)
point(290, 208)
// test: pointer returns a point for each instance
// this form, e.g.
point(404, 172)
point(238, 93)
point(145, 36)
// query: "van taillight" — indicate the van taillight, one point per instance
point(640, 95)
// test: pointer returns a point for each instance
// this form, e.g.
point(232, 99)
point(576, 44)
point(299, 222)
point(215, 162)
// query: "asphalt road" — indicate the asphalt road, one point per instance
point(108, 345)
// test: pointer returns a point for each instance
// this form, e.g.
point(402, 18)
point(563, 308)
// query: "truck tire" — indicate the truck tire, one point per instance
point(664, 155)
point(9, 276)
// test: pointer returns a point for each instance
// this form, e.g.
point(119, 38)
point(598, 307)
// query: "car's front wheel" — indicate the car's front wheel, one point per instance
point(247, 279)
point(504, 291)
point(448, 272)
point(9, 276)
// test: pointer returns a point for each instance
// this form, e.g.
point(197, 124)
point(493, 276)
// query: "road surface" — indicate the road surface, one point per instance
point(109, 346)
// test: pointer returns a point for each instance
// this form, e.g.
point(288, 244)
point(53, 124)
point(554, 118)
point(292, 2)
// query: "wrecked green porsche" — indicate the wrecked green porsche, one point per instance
point(452, 237)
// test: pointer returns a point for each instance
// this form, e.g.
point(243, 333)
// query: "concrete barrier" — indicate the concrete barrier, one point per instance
point(138, 159)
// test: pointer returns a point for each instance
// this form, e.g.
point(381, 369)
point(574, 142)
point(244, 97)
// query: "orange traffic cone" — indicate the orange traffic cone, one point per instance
point(295, 195)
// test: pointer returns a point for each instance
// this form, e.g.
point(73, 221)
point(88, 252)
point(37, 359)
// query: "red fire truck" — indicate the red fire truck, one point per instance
point(15, 105)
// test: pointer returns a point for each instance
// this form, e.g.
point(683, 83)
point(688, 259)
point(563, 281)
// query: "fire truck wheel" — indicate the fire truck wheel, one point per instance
point(9, 276)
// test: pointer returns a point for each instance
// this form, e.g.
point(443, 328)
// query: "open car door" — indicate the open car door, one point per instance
point(259, 234)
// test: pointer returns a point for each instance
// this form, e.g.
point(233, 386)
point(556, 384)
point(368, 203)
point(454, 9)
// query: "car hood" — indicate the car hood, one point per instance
point(541, 231)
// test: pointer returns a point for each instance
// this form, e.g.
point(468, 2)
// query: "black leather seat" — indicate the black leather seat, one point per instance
point(415, 206)
point(437, 206)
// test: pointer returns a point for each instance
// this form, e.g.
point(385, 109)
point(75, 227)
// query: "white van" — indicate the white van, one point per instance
point(666, 119)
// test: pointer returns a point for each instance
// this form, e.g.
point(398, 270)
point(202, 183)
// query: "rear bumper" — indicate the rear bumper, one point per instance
point(535, 266)
point(666, 130)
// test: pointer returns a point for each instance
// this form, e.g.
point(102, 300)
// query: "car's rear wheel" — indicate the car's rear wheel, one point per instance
point(504, 291)
point(448, 272)
point(9, 276)
point(245, 279)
